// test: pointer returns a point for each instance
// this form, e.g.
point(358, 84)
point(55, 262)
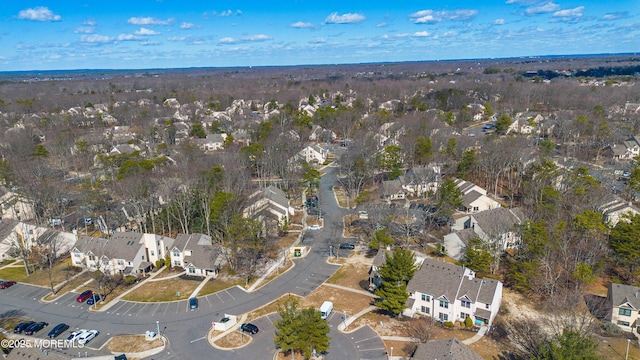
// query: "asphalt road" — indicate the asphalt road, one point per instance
point(187, 329)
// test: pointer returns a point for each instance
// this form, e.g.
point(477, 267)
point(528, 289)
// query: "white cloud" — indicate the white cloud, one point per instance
point(348, 18)
point(84, 30)
point(432, 16)
point(317, 41)
point(187, 25)
point(127, 37)
point(39, 13)
point(177, 38)
point(421, 34)
point(251, 38)
point(542, 9)
point(148, 21)
point(145, 31)
point(259, 37)
point(302, 25)
point(381, 24)
point(569, 14)
point(95, 38)
point(498, 22)
point(226, 13)
point(616, 15)
point(227, 40)
point(90, 22)
point(450, 34)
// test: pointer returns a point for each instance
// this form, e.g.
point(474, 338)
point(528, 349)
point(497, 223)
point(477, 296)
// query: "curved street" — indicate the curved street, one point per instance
point(187, 330)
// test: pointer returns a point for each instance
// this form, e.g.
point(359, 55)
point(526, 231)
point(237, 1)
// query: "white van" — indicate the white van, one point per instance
point(326, 309)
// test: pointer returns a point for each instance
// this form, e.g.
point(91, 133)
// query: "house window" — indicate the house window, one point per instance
point(625, 312)
point(444, 304)
point(425, 310)
point(176, 253)
point(192, 270)
point(121, 262)
point(153, 253)
point(463, 316)
point(466, 304)
point(443, 317)
point(92, 258)
point(426, 297)
point(176, 263)
point(623, 323)
point(475, 208)
point(487, 306)
point(76, 255)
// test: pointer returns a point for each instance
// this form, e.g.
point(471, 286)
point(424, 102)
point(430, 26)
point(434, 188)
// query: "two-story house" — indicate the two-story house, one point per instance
point(196, 254)
point(123, 253)
point(453, 293)
point(474, 198)
point(270, 207)
point(496, 226)
point(314, 154)
point(624, 306)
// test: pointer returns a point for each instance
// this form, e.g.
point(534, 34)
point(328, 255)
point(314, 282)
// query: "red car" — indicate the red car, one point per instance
point(6, 284)
point(84, 296)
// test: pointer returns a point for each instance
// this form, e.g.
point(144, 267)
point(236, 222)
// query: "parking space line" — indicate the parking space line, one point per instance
point(118, 308)
point(178, 306)
point(165, 310)
point(158, 308)
point(219, 298)
point(229, 294)
point(207, 298)
point(369, 338)
point(141, 308)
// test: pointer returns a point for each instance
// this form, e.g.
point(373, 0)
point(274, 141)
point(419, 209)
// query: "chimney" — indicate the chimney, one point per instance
point(635, 294)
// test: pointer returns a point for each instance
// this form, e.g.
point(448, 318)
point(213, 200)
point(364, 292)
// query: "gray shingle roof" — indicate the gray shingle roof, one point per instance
point(204, 255)
point(487, 290)
point(437, 278)
point(445, 349)
point(621, 294)
point(498, 220)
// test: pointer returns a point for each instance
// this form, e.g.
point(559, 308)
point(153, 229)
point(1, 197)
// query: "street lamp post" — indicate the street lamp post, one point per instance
point(158, 327)
point(626, 357)
point(391, 357)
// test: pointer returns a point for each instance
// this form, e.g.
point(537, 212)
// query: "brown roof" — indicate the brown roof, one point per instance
point(445, 349)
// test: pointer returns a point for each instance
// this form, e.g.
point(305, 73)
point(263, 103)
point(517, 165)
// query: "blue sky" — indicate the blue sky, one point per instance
point(140, 34)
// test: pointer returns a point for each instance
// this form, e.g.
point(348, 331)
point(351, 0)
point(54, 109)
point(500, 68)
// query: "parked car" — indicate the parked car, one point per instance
point(84, 296)
point(22, 327)
point(93, 299)
point(250, 328)
point(35, 327)
point(193, 303)
point(87, 336)
point(314, 227)
point(76, 334)
point(347, 246)
point(57, 330)
point(7, 284)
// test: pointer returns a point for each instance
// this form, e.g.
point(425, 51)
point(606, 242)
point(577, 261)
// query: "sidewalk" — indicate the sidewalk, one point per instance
point(350, 319)
point(361, 292)
point(477, 336)
point(111, 303)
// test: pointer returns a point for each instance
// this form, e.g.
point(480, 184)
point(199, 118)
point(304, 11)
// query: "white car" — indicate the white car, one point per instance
point(87, 336)
point(314, 227)
point(76, 334)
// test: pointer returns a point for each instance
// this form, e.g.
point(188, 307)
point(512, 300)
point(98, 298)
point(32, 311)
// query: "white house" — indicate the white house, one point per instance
point(421, 180)
point(212, 142)
point(614, 209)
point(624, 306)
point(496, 226)
point(474, 198)
point(125, 253)
point(453, 293)
point(314, 154)
point(196, 254)
point(15, 206)
point(270, 207)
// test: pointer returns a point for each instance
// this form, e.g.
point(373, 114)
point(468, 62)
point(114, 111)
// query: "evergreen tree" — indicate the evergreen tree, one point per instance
point(476, 258)
point(286, 332)
point(301, 330)
point(423, 150)
point(449, 198)
point(570, 345)
point(396, 273)
point(197, 130)
point(313, 332)
point(625, 242)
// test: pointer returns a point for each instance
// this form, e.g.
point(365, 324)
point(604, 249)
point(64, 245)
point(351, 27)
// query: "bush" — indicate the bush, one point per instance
point(448, 324)
point(468, 323)
point(159, 263)
point(130, 279)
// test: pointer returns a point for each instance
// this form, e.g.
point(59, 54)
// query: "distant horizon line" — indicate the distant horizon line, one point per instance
point(14, 72)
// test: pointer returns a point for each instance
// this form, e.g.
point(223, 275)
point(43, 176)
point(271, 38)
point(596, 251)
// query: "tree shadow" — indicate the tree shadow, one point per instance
point(597, 305)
